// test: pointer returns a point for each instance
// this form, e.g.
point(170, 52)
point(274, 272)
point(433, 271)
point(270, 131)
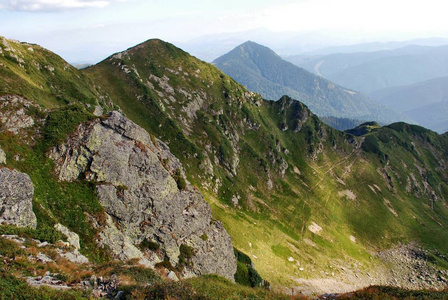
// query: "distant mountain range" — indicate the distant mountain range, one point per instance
point(370, 71)
point(263, 71)
point(425, 102)
point(209, 47)
point(378, 46)
point(412, 80)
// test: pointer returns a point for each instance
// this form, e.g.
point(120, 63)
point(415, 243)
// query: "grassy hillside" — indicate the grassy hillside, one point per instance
point(264, 72)
point(38, 74)
point(301, 199)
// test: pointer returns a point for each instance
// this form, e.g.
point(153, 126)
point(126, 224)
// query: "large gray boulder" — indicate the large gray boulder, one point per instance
point(16, 199)
point(143, 189)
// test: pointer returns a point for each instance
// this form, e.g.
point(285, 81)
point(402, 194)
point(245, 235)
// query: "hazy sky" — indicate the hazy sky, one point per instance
point(86, 29)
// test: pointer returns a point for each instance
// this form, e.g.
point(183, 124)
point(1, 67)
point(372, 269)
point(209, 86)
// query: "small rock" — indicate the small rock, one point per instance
point(43, 244)
point(2, 156)
point(171, 275)
point(75, 256)
point(43, 258)
point(290, 259)
point(98, 111)
point(72, 237)
point(235, 201)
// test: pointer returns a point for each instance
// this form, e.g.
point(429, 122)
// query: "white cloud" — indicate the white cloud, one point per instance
point(363, 15)
point(51, 5)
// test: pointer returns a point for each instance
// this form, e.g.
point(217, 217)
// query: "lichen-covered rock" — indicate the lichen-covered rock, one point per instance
point(120, 244)
point(143, 189)
point(13, 113)
point(16, 199)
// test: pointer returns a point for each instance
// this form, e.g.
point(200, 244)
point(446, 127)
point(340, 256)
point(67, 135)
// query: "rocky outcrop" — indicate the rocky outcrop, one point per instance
point(14, 113)
point(16, 199)
point(143, 189)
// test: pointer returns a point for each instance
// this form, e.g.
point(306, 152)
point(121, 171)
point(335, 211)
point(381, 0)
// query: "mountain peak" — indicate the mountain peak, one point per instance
point(156, 48)
point(263, 71)
point(253, 48)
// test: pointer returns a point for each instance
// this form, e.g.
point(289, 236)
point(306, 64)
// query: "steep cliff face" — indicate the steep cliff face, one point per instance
point(142, 187)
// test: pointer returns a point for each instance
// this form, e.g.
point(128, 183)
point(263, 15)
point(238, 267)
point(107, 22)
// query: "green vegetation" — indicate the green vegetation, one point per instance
point(180, 180)
point(245, 273)
point(60, 123)
point(150, 245)
point(42, 233)
point(185, 256)
point(364, 128)
point(340, 123)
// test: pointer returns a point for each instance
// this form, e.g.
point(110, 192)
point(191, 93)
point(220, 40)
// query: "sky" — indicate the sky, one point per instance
point(89, 30)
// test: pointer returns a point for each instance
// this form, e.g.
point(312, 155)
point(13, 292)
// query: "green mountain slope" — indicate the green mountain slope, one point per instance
point(302, 199)
point(263, 71)
point(36, 73)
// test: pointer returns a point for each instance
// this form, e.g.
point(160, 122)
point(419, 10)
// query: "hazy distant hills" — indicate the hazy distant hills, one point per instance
point(433, 116)
point(370, 71)
point(425, 102)
point(209, 47)
point(412, 96)
point(378, 46)
point(263, 71)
